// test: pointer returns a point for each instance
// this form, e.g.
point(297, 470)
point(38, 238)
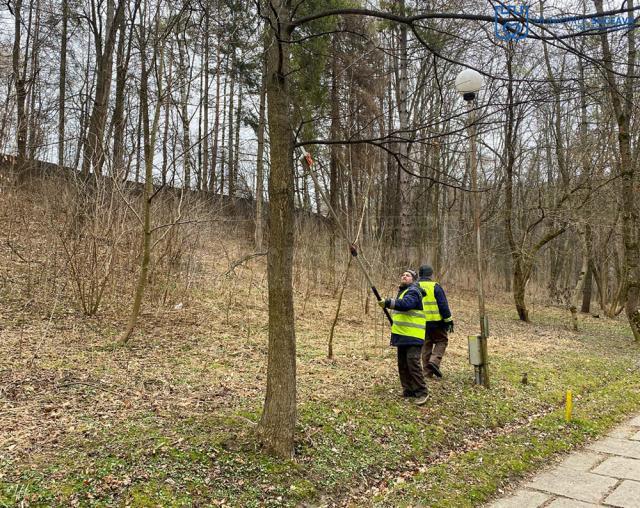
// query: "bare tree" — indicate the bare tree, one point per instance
point(19, 78)
point(93, 155)
point(277, 424)
point(150, 129)
point(622, 95)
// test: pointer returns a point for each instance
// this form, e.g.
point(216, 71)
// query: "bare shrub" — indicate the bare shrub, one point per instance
point(80, 241)
point(32, 268)
point(179, 221)
point(92, 229)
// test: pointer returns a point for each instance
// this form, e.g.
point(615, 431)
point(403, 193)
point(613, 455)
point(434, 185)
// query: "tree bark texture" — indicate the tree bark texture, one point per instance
point(277, 424)
point(93, 154)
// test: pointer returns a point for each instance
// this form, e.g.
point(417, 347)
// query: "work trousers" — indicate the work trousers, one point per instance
point(410, 370)
point(434, 347)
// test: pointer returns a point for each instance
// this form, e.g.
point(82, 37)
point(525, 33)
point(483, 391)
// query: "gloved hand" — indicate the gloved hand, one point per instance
point(382, 303)
point(450, 326)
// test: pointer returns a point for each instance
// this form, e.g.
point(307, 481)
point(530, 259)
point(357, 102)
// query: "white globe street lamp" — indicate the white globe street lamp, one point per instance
point(468, 83)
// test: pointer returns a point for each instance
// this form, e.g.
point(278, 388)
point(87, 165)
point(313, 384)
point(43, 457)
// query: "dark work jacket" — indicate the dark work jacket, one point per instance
point(412, 300)
point(443, 306)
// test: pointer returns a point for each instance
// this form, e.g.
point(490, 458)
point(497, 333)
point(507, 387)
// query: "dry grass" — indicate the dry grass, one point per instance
point(60, 368)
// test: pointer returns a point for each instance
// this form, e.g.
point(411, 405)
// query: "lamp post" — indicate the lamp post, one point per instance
point(469, 83)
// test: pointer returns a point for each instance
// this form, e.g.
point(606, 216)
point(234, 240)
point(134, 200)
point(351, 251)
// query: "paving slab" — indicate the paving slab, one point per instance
point(619, 467)
point(563, 502)
point(578, 485)
point(606, 473)
point(623, 431)
point(626, 495)
point(523, 499)
point(583, 461)
point(635, 422)
point(614, 446)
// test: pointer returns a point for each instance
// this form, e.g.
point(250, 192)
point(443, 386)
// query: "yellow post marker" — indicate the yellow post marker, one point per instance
point(568, 409)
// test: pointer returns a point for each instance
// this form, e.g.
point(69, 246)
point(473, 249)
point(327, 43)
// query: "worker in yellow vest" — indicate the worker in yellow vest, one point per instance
point(407, 335)
point(438, 322)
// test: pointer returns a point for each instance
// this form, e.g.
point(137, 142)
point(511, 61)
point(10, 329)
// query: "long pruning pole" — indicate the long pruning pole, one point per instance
point(307, 161)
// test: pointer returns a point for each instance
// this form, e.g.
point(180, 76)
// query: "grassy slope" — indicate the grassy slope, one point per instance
point(169, 420)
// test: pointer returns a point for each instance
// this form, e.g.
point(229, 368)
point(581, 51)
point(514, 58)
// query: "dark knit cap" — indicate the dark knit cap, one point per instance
point(426, 271)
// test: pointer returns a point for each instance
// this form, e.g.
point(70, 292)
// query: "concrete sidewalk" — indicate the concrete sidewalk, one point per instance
point(606, 473)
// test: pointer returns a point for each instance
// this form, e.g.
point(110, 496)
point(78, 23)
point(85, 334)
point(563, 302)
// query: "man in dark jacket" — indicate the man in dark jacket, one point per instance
point(438, 322)
point(407, 335)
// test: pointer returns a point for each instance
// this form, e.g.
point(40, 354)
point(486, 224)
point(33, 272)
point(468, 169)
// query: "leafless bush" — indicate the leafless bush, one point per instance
point(81, 242)
point(93, 232)
point(32, 268)
point(177, 242)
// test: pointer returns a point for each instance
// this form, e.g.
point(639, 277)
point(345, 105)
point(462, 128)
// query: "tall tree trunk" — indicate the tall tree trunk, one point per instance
point(559, 262)
point(578, 289)
point(167, 102)
point(277, 424)
point(404, 187)
point(21, 91)
point(204, 169)
point(138, 151)
point(587, 173)
point(587, 290)
point(236, 155)
point(198, 165)
point(519, 281)
point(123, 54)
point(33, 115)
point(435, 249)
point(93, 154)
point(259, 231)
point(184, 111)
point(333, 163)
point(84, 109)
point(622, 101)
point(231, 152)
point(150, 129)
point(216, 124)
point(443, 239)
point(223, 148)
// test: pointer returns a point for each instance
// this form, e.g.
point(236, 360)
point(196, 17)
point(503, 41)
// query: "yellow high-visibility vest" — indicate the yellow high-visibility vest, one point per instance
point(410, 323)
point(429, 302)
